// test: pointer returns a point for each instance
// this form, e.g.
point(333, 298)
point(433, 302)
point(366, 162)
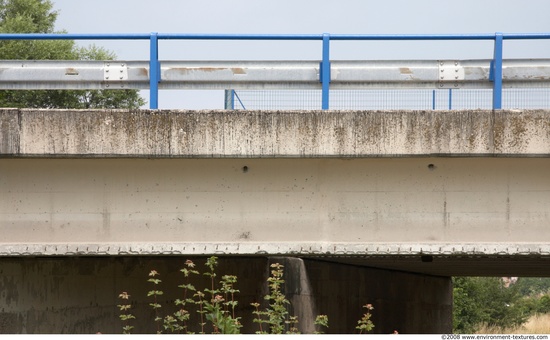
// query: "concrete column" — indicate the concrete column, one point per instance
point(406, 302)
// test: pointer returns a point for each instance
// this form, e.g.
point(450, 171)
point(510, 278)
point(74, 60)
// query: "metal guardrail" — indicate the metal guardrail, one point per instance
point(249, 75)
point(321, 74)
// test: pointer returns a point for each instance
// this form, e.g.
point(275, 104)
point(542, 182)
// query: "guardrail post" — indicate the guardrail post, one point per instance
point(325, 72)
point(229, 102)
point(496, 69)
point(154, 72)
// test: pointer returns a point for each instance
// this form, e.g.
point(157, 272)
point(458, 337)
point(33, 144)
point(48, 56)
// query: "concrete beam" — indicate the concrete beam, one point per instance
point(273, 134)
point(337, 209)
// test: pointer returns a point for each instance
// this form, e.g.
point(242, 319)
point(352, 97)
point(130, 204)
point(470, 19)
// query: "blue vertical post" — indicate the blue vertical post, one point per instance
point(433, 100)
point(229, 102)
point(154, 72)
point(325, 72)
point(450, 99)
point(497, 72)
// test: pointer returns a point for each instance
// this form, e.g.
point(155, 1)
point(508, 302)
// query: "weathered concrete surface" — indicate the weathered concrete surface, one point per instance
point(366, 200)
point(144, 133)
point(79, 294)
point(10, 131)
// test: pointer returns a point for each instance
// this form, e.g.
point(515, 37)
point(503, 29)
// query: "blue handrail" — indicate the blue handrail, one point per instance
point(154, 37)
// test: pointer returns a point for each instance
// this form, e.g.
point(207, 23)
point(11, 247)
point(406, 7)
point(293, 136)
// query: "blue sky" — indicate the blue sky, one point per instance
point(298, 16)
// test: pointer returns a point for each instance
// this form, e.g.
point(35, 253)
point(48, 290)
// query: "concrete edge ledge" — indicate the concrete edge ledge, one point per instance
point(282, 156)
point(257, 133)
point(288, 249)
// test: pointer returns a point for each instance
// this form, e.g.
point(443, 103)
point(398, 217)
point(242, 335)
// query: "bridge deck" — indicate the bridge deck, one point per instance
point(386, 189)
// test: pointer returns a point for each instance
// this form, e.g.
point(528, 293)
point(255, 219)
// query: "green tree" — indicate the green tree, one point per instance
point(529, 286)
point(467, 313)
point(37, 16)
point(486, 300)
point(543, 305)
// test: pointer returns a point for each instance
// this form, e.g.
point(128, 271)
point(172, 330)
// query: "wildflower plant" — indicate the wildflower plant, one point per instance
point(365, 324)
point(276, 315)
point(125, 316)
point(215, 306)
point(322, 322)
point(179, 321)
point(220, 310)
point(155, 293)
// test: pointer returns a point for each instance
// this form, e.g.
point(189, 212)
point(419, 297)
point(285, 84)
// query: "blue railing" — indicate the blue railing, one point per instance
point(154, 63)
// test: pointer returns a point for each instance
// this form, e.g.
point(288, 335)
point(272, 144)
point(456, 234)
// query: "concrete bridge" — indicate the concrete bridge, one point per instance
point(371, 206)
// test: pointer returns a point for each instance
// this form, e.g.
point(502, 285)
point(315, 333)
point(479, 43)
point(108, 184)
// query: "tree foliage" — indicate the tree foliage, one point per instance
point(486, 300)
point(37, 16)
point(530, 286)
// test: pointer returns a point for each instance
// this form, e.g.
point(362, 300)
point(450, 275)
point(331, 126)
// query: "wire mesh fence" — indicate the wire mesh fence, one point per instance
point(389, 99)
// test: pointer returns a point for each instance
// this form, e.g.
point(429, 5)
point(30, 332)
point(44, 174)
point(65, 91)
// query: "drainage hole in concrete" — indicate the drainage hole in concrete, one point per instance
point(245, 169)
point(426, 258)
point(431, 166)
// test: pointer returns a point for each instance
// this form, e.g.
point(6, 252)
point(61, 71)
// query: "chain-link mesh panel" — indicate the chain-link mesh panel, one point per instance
point(392, 99)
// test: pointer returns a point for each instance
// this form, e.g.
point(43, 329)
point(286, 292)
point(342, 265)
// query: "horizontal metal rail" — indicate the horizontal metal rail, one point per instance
point(245, 75)
point(161, 77)
point(210, 36)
